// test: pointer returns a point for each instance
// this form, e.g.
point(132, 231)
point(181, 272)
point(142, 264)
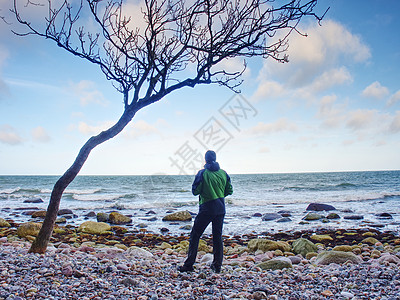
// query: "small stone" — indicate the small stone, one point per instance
point(320, 207)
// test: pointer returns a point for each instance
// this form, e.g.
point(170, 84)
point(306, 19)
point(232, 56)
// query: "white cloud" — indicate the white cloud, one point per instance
point(323, 48)
point(375, 90)
point(278, 126)
point(394, 98)
point(133, 130)
point(361, 119)
point(267, 90)
point(140, 128)
point(8, 135)
point(87, 92)
point(4, 91)
point(93, 130)
point(39, 134)
point(330, 78)
point(331, 113)
point(395, 124)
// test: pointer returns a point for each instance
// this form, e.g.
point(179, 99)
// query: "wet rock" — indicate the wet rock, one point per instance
point(28, 229)
point(103, 217)
point(370, 240)
point(90, 214)
point(389, 258)
point(65, 211)
point(384, 216)
point(4, 223)
point(119, 219)
point(345, 248)
point(284, 219)
point(61, 220)
point(353, 217)
point(321, 237)
point(178, 216)
point(303, 246)
point(39, 214)
point(270, 216)
point(151, 212)
point(267, 245)
point(34, 200)
point(320, 207)
point(94, 227)
point(257, 215)
point(333, 216)
point(337, 257)
point(312, 217)
point(186, 227)
point(277, 263)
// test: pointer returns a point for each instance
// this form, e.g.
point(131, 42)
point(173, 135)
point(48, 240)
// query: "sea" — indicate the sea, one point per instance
point(149, 198)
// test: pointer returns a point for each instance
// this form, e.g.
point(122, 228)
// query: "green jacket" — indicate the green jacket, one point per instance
point(211, 185)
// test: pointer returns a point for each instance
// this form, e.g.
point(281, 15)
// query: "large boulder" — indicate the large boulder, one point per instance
point(178, 216)
point(277, 263)
point(320, 207)
point(303, 246)
point(268, 245)
point(28, 229)
point(4, 223)
point(94, 227)
point(118, 219)
point(337, 257)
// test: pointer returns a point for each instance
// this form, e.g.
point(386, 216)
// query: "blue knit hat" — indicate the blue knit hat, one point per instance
point(210, 156)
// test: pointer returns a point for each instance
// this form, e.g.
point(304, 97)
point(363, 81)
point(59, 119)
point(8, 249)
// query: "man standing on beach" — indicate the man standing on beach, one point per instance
point(212, 184)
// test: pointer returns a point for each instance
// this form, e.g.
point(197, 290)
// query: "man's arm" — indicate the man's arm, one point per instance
point(197, 183)
point(228, 186)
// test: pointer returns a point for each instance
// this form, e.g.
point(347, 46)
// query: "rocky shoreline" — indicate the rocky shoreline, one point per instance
point(118, 263)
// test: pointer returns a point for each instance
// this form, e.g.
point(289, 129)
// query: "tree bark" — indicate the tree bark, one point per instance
point(43, 238)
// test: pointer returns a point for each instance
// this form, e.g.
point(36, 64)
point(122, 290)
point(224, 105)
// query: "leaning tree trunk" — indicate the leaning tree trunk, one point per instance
point(43, 238)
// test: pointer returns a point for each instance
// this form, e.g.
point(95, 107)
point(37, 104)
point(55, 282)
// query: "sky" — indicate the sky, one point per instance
point(334, 107)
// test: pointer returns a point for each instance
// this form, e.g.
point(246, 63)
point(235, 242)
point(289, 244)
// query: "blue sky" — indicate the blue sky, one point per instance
point(334, 107)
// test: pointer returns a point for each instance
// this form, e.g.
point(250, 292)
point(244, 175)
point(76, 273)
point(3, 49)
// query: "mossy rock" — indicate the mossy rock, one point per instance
point(337, 257)
point(333, 216)
point(268, 245)
point(119, 219)
point(94, 227)
point(312, 217)
point(277, 263)
point(39, 214)
point(28, 229)
point(344, 248)
point(370, 241)
point(178, 216)
point(321, 237)
point(102, 217)
point(4, 223)
point(303, 246)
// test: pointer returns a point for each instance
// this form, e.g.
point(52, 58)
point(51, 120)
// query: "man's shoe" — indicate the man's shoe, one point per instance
point(216, 269)
point(185, 268)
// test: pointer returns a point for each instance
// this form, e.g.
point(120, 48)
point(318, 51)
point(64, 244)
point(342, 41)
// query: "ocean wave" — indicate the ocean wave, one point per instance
point(96, 197)
point(9, 191)
point(82, 192)
point(373, 196)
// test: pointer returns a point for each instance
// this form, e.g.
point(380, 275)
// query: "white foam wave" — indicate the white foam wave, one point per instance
point(9, 191)
point(81, 192)
point(93, 197)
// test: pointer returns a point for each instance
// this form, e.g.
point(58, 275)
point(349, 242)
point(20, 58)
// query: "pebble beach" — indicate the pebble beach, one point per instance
point(117, 264)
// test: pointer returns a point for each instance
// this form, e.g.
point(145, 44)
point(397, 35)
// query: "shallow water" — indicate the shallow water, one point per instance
point(364, 193)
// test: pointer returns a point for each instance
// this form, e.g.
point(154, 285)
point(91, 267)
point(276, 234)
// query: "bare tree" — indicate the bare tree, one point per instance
point(175, 44)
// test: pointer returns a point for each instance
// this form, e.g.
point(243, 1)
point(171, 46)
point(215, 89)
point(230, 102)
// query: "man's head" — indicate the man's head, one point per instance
point(210, 156)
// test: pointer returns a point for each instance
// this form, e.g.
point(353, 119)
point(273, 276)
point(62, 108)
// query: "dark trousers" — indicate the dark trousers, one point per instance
point(200, 224)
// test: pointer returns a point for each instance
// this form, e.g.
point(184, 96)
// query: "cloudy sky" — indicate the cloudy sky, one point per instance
point(334, 107)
